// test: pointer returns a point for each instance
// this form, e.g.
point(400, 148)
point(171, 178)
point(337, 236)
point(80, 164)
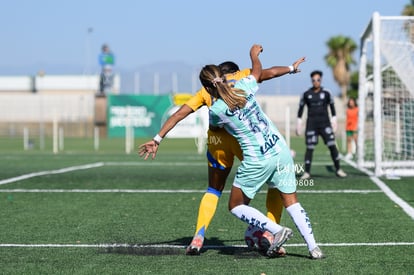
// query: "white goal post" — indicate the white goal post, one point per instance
point(386, 96)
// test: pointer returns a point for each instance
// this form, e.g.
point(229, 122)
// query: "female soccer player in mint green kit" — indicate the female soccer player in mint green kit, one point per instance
point(266, 156)
point(221, 154)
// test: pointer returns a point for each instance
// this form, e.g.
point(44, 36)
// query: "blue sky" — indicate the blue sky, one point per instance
point(53, 35)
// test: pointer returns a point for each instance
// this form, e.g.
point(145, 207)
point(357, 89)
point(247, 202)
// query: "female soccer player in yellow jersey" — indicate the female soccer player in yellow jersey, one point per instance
point(220, 154)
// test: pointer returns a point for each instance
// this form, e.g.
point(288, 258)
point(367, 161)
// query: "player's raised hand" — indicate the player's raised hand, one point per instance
point(256, 50)
point(147, 149)
point(297, 63)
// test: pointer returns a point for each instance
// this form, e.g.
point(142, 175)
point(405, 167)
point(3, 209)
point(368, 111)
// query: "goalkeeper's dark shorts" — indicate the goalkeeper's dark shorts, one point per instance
point(313, 131)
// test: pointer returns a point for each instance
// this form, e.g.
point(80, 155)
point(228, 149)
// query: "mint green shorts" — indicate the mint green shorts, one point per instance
point(278, 172)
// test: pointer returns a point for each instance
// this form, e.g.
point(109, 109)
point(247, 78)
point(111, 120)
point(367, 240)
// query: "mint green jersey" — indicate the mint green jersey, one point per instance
point(266, 157)
point(258, 136)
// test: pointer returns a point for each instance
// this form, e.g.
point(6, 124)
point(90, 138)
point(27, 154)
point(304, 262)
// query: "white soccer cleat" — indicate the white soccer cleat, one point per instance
point(340, 173)
point(316, 254)
point(195, 245)
point(349, 156)
point(279, 239)
point(305, 176)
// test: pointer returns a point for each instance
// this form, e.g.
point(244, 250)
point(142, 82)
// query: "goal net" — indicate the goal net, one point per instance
point(386, 96)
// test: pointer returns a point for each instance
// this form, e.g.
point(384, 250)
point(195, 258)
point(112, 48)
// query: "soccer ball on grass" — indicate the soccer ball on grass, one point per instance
point(260, 240)
point(257, 239)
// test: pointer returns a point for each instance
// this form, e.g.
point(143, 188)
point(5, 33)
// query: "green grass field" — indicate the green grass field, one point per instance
point(114, 213)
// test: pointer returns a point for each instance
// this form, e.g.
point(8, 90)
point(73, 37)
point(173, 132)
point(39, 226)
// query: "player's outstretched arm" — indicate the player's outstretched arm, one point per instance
point(277, 71)
point(151, 147)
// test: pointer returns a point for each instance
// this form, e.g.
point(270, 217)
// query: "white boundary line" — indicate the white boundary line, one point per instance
point(390, 194)
point(50, 172)
point(345, 191)
point(404, 205)
point(100, 164)
point(182, 246)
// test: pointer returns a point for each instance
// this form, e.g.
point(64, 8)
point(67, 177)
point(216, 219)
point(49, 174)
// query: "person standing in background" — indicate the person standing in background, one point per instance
point(107, 61)
point(318, 123)
point(351, 127)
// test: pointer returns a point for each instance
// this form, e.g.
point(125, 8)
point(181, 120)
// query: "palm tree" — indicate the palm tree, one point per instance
point(353, 84)
point(340, 59)
point(409, 11)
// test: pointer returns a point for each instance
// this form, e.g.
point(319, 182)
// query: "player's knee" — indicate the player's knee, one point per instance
point(311, 143)
point(217, 185)
point(289, 199)
point(217, 178)
point(310, 148)
point(331, 143)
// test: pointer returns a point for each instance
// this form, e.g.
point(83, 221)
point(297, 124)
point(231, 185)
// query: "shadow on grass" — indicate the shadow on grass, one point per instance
point(174, 247)
point(177, 247)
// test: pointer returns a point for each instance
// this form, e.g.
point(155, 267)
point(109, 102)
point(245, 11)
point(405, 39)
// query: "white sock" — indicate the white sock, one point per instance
point(254, 217)
point(302, 222)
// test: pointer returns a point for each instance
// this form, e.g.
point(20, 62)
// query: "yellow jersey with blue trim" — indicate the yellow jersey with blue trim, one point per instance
point(202, 97)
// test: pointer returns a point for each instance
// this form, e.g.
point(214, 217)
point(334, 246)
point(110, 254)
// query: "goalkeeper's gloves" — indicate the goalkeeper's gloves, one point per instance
point(299, 127)
point(334, 124)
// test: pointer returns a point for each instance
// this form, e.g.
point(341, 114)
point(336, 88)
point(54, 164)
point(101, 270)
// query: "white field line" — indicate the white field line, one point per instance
point(390, 194)
point(100, 164)
point(51, 172)
point(345, 191)
point(182, 246)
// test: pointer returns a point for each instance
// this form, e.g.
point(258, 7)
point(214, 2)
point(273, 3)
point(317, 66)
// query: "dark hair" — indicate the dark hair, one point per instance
point(228, 67)
point(316, 72)
point(355, 101)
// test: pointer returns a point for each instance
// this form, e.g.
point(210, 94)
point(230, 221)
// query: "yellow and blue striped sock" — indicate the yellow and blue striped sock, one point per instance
point(207, 210)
